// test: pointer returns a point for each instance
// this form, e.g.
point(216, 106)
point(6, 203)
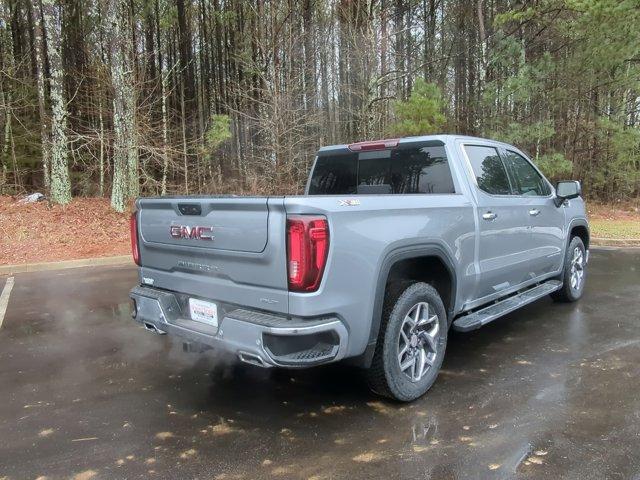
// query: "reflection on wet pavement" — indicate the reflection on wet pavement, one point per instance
point(549, 391)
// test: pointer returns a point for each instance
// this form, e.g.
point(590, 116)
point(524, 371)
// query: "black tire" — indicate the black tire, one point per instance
point(568, 292)
point(385, 376)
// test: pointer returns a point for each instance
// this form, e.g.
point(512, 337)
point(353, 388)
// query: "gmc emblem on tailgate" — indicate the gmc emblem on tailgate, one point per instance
point(191, 233)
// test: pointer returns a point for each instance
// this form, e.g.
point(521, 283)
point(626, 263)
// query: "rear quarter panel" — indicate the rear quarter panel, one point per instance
point(363, 235)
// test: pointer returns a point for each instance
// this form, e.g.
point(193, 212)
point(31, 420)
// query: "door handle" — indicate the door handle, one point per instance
point(534, 212)
point(489, 216)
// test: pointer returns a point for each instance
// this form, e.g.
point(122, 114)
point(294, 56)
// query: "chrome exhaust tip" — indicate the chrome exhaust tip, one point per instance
point(252, 359)
point(150, 327)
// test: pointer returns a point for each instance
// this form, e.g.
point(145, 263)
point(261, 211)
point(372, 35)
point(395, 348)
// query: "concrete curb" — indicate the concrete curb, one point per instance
point(615, 242)
point(83, 262)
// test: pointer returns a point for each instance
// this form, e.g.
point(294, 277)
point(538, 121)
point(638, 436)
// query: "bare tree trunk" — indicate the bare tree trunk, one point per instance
point(309, 86)
point(5, 100)
point(186, 53)
point(164, 76)
point(383, 47)
point(133, 178)
point(184, 139)
point(5, 95)
point(483, 41)
point(125, 181)
point(39, 63)
point(165, 133)
point(60, 184)
point(101, 120)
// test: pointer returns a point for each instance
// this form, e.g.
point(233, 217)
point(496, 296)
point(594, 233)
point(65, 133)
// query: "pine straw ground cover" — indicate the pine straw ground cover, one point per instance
point(40, 232)
point(88, 227)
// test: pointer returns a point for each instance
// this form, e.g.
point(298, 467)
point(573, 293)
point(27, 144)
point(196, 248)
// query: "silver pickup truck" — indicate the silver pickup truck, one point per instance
point(393, 243)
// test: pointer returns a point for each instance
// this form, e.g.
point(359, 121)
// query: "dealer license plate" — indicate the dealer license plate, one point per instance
point(205, 312)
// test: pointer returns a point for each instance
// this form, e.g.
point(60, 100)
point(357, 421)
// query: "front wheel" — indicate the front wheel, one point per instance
point(574, 274)
point(411, 343)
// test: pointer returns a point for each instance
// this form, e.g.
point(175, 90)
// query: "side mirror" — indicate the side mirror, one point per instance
point(567, 190)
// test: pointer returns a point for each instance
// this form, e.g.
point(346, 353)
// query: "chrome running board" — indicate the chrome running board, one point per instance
point(477, 319)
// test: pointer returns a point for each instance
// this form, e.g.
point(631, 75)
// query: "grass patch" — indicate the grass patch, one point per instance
point(620, 229)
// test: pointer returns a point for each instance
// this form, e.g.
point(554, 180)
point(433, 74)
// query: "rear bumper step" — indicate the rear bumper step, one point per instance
point(496, 310)
point(255, 337)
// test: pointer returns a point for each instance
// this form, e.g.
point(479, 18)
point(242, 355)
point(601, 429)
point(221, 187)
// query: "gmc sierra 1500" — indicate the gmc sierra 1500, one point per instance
point(393, 242)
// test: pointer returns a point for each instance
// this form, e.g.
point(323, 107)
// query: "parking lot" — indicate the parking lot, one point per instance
point(549, 391)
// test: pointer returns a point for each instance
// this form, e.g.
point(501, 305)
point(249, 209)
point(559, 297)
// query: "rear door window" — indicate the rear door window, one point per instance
point(488, 169)
point(421, 170)
point(420, 167)
point(527, 181)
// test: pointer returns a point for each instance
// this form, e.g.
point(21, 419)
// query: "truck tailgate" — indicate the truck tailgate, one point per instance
point(237, 224)
point(230, 249)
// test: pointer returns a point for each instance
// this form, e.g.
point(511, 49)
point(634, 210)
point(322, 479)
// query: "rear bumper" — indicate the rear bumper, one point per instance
point(255, 337)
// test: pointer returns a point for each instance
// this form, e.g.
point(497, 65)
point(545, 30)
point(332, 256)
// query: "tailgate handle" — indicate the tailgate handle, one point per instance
point(190, 209)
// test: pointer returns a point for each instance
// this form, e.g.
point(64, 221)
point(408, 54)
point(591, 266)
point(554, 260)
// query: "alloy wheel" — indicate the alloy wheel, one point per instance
point(418, 341)
point(577, 268)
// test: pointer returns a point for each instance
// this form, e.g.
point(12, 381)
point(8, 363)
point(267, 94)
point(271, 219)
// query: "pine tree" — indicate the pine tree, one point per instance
point(422, 113)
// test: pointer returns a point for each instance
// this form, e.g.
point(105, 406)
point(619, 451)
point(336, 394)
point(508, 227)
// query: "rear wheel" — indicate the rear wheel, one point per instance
point(411, 343)
point(574, 273)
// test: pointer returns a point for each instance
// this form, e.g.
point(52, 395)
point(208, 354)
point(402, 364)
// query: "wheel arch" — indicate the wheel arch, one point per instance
point(412, 256)
point(579, 228)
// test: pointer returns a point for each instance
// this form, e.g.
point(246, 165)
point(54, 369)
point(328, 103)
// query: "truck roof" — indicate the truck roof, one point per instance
point(417, 138)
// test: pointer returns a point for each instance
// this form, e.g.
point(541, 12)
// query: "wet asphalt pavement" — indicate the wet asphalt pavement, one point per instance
point(551, 391)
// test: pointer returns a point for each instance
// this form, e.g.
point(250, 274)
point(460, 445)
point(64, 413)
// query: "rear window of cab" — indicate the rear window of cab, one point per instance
point(418, 167)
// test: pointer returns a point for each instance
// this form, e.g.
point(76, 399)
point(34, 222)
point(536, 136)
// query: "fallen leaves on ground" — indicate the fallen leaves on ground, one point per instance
point(380, 407)
point(188, 454)
point(616, 211)
point(367, 457)
point(44, 232)
point(86, 475)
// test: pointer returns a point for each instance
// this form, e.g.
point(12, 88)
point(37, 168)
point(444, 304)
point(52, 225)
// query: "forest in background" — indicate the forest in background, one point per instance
point(123, 98)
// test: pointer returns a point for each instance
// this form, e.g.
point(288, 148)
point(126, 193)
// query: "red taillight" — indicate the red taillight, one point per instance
point(307, 248)
point(374, 145)
point(135, 251)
